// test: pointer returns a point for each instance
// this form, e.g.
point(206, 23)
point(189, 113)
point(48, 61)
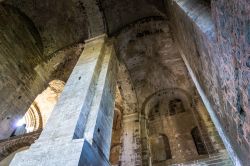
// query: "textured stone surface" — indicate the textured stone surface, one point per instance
point(131, 147)
point(19, 87)
point(83, 110)
point(158, 120)
point(61, 23)
point(10, 145)
point(119, 14)
point(232, 20)
point(8, 159)
point(152, 59)
point(116, 143)
point(24, 70)
point(212, 37)
point(40, 110)
point(154, 66)
point(217, 51)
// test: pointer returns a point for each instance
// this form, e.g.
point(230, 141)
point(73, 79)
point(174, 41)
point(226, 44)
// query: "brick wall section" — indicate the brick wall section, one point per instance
point(232, 20)
point(217, 49)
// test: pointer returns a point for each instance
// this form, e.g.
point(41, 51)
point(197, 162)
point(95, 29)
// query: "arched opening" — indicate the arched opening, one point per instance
point(175, 107)
point(160, 148)
point(173, 128)
point(39, 112)
point(33, 51)
point(21, 50)
point(200, 146)
point(29, 127)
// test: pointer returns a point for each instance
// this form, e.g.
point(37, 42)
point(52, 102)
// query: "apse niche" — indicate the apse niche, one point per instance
point(172, 129)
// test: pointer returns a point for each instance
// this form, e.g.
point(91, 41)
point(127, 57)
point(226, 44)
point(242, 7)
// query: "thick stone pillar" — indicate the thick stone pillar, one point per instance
point(80, 127)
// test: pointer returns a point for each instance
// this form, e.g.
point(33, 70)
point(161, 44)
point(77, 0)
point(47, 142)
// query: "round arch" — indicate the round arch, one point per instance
point(171, 93)
point(39, 112)
point(8, 147)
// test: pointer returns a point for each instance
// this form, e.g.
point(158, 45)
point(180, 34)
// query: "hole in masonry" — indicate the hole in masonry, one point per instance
point(242, 114)
point(19, 97)
point(248, 62)
point(240, 129)
point(98, 130)
point(79, 78)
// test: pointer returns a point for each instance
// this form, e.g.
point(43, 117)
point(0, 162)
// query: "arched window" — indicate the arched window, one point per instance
point(160, 148)
point(154, 112)
point(40, 110)
point(200, 146)
point(175, 107)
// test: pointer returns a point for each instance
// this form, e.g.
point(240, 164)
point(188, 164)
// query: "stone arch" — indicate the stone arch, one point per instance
point(118, 14)
point(37, 115)
point(157, 122)
point(62, 23)
point(135, 24)
point(16, 101)
point(139, 61)
point(7, 160)
point(8, 149)
point(9, 146)
point(173, 93)
point(17, 63)
point(160, 148)
point(33, 118)
point(14, 13)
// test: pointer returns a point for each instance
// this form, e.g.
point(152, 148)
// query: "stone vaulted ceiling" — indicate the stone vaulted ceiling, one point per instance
point(119, 13)
point(65, 22)
point(152, 58)
point(59, 23)
point(149, 58)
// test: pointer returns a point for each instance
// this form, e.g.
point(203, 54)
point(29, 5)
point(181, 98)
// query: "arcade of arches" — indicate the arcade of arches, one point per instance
point(124, 82)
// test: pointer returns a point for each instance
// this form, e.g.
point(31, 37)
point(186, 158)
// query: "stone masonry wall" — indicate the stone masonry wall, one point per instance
point(24, 70)
point(218, 53)
point(232, 21)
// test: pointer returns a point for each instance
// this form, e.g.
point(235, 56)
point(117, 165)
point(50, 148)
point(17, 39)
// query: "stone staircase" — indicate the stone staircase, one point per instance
point(218, 159)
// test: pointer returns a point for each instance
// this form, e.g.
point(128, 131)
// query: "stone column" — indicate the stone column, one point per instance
point(79, 129)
